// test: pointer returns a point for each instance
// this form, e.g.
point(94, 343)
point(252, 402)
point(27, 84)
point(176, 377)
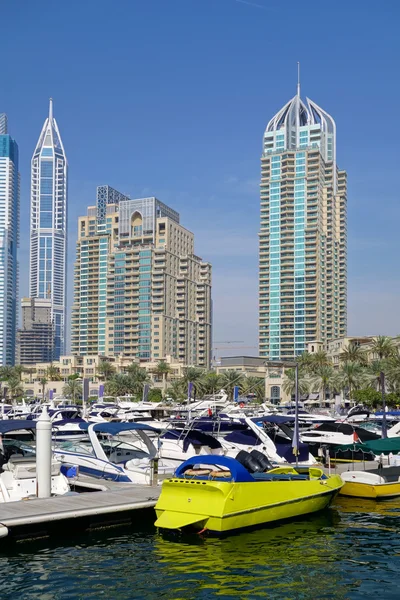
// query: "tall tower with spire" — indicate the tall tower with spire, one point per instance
point(48, 227)
point(303, 234)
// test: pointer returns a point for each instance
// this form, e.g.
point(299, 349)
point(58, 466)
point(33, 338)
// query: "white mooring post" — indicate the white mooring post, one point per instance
point(43, 455)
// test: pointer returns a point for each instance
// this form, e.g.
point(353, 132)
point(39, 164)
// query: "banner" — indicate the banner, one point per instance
point(51, 394)
point(101, 391)
point(145, 394)
point(236, 393)
point(190, 389)
point(85, 389)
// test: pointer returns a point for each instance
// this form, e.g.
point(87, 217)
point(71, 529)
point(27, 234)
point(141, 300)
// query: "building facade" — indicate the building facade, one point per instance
point(35, 338)
point(48, 226)
point(139, 289)
point(9, 240)
point(303, 234)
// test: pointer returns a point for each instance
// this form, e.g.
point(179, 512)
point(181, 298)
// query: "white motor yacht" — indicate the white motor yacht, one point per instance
point(18, 463)
point(116, 451)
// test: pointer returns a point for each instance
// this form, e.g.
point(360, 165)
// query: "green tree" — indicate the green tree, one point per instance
point(43, 383)
point(211, 382)
point(289, 382)
point(352, 377)
point(375, 369)
point(368, 396)
point(53, 373)
point(73, 389)
point(15, 388)
point(105, 370)
point(162, 369)
point(155, 395)
point(383, 347)
point(18, 370)
point(354, 354)
point(324, 379)
point(253, 385)
point(195, 376)
point(176, 390)
point(231, 379)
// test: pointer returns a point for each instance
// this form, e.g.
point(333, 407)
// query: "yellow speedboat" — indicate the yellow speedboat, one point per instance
point(219, 494)
point(378, 484)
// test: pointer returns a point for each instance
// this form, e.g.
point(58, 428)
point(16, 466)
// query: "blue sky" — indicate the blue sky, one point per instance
point(171, 98)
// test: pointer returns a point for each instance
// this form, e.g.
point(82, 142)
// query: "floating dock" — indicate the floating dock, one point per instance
point(39, 517)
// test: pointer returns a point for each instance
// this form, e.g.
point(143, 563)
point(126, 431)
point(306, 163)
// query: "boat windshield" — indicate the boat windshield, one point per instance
point(11, 446)
point(119, 450)
point(75, 447)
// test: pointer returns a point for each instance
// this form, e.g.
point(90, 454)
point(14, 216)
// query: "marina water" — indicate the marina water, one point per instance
point(350, 551)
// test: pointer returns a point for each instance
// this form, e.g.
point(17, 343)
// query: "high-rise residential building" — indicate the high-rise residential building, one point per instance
point(35, 338)
point(140, 291)
point(49, 226)
point(9, 240)
point(303, 235)
point(3, 123)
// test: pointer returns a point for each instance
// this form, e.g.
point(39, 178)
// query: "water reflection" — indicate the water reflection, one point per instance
point(350, 551)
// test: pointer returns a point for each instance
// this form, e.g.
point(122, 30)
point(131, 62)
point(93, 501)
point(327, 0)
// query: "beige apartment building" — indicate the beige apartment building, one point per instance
point(303, 234)
point(140, 292)
point(87, 367)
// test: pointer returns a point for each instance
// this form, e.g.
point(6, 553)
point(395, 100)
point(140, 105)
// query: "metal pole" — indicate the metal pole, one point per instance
point(384, 422)
point(296, 414)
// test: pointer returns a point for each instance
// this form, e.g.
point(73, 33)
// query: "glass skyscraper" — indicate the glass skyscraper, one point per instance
point(49, 226)
point(303, 234)
point(9, 239)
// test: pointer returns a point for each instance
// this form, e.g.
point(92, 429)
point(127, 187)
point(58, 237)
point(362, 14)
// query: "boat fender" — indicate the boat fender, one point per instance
point(3, 531)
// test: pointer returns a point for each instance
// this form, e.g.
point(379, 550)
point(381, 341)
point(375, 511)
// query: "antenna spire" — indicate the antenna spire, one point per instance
point(51, 109)
point(298, 79)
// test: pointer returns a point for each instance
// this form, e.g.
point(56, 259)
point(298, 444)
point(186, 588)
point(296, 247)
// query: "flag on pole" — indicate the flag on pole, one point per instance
point(236, 393)
point(145, 392)
point(51, 394)
point(101, 391)
point(190, 389)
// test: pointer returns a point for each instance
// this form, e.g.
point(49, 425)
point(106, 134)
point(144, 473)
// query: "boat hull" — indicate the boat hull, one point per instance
point(221, 507)
point(380, 491)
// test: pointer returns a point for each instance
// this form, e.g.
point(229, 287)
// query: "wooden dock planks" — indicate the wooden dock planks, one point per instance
point(29, 512)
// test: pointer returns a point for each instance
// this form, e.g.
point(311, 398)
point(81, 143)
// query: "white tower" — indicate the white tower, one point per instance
point(49, 225)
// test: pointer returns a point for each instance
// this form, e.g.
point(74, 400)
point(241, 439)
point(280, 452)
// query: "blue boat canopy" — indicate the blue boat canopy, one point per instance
point(238, 471)
point(114, 428)
point(15, 425)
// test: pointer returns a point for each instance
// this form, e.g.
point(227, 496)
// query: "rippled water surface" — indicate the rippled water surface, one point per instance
point(350, 551)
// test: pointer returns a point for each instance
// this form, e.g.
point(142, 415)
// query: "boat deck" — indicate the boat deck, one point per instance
point(40, 515)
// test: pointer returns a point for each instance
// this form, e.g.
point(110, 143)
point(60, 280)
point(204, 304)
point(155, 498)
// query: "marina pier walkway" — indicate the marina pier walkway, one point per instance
point(39, 517)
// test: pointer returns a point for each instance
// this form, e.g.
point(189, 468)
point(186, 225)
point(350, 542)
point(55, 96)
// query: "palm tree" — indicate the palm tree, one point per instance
point(15, 388)
point(43, 383)
point(6, 373)
point(375, 369)
point(353, 353)
point(122, 384)
point(193, 375)
point(30, 372)
point(176, 390)
point(289, 382)
point(231, 379)
point(105, 369)
point(211, 382)
point(318, 360)
point(162, 368)
point(253, 385)
point(324, 379)
point(306, 361)
point(392, 371)
point(352, 376)
point(383, 347)
point(73, 388)
point(17, 371)
point(53, 373)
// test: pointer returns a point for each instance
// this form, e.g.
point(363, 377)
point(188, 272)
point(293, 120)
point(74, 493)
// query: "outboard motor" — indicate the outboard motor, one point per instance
point(249, 462)
point(262, 460)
